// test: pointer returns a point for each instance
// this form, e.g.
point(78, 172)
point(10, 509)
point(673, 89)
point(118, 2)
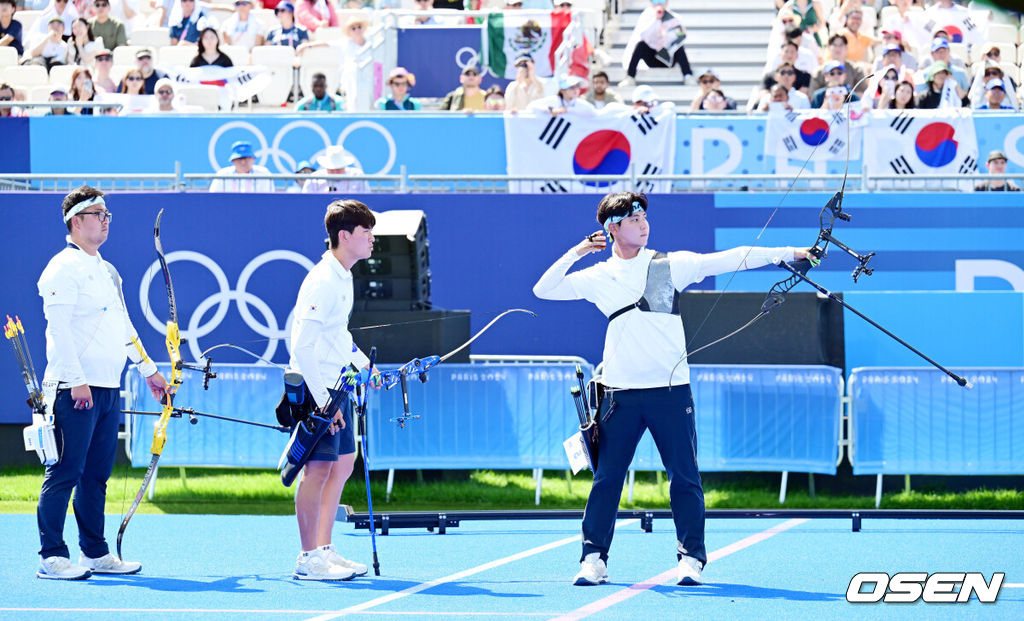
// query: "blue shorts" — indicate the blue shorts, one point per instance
point(343, 442)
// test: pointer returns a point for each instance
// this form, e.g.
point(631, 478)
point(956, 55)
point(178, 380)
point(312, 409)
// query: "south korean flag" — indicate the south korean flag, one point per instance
point(576, 153)
point(912, 143)
point(818, 135)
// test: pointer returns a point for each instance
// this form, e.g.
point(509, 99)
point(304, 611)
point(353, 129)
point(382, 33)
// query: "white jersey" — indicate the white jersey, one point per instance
point(321, 345)
point(641, 348)
point(88, 331)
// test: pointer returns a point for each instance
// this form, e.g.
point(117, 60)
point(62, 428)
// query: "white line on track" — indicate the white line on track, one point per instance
point(456, 576)
point(640, 587)
point(162, 611)
point(1013, 585)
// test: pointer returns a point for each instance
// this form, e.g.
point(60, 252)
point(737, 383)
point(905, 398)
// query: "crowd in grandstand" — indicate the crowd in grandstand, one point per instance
point(885, 54)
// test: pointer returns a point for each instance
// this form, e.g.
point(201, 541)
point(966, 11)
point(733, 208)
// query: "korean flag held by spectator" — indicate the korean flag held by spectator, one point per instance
point(818, 135)
point(923, 142)
point(962, 25)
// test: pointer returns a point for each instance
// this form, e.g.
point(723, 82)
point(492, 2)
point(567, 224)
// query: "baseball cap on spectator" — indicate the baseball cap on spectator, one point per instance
point(995, 83)
point(892, 48)
point(285, 6)
point(162, 82)
point(833, 65)
point(711, 72)
point(104, 54)
point(357, 19)
point(569, 81)
point(523, 58)
point(935, 68)
point(335, 157)
point(995, 155)
point(938, 43)
point(401, 72)
point(144, 53)
point(895, 33)
point(241, 149)
point(471, 67)
point(513, 2)
point(58, 89)
point(55, 19)
point(303, 164)
point(644, 93)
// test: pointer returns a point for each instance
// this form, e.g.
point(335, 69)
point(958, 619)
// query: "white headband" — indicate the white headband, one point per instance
point(89, 202)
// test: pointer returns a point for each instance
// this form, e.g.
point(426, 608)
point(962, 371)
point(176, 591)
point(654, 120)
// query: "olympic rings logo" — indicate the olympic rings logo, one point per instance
point(193, 331)
point(283, 161)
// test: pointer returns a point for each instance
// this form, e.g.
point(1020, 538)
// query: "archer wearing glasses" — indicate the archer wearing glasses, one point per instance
point(87, 328)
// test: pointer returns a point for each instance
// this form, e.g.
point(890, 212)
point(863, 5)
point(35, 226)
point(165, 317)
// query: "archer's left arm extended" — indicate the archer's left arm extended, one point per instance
point(734, 260)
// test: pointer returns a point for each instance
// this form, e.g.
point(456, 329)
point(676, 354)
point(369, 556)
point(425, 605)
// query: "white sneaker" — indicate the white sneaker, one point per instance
point(592, 571)
point(61, 568)
point(109, 564)
point(689, 572)
point(337, 559)
point(315, 566)
point(627, 82)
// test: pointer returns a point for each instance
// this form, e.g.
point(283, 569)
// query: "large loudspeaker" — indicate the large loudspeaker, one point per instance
point(411, 334)
point(396, 277)
point(806, 329)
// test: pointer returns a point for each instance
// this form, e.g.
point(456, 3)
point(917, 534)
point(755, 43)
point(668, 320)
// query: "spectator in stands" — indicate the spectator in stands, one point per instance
point(902, 23)
point(777, 99)
point(713, 101)
point(513, 5)
point(494, 99)
point(892, 56)
point(7, 95)
point(58, 93)
point(835, 75)
point(163, 10)
point(526, 88)
point(10, 28)
point(336, 161)
point(709, 81)
point(901, 99)
point(302, 168)
point(355, 35)
point(313, 14)
point(209, 51)
point(243, 162)
point(801, 61)
point(955, 66)
point(991, 71)
point(566, 100)
point(287, 32)
point(890, 39)
point(63, 9)
point(426, 19)
point(399, 81)
point(784, 76)
point(852, 73)
point(51, 50)
point(82, 89)
point(164, 97)
point(644, 98)
point(124, 11)
point(242, 28)
point(937, 76)
point(102, 63)
point(82, 46)
point(835, 97)
point(108, 28)
point(996, 164)
point(579, 60)
point(193, 20)
point(133, 83)
point(858, 44)
point(657, 40)
point(469, 96)
point(786, 27)
point(320, 100)
point(144, 63)
point(882, 88)
point(808, 11)
point(995, 96)
point(600, 93)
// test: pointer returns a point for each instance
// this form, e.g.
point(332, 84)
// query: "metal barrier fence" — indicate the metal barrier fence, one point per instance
point(495, 184)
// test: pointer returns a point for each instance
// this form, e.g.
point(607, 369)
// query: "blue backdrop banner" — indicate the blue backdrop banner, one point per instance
point(437, 56)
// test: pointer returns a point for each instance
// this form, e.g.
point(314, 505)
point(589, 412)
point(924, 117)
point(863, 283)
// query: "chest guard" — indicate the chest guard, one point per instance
point(660, 295)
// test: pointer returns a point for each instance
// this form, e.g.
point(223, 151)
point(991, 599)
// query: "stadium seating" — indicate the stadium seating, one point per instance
point(60, 75)
point(201, 95)
point(176, 56)
point(280, 60)
point(25, 75)
point(151, 37)
point(8, 56)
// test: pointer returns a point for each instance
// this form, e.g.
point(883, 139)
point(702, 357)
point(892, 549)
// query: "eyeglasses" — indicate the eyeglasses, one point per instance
point(397, 83)
point(104, 59)
point(470, 73)
point(787, 72)
point(707, 81)
point(133, 78)
point(102, 216)
point(836, 72)
point(356, 27)
point(715, 98)
point(994, 52)
point(101, 4)
point(164, 91)
point(991, 74)
point(6, 98)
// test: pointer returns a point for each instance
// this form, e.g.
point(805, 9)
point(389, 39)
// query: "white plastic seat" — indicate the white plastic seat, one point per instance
point(177, 55)
point(151, 37)
point(280, 60)
point(238, 54)
point(60, 75)
point(26, 75)
point(200, 95)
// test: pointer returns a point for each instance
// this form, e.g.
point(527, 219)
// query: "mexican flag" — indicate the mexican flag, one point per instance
point(511, 33)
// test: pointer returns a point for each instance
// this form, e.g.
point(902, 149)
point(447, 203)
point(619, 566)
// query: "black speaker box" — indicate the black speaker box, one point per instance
point(806, 329)
point(397, 274)
point(411, 334)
